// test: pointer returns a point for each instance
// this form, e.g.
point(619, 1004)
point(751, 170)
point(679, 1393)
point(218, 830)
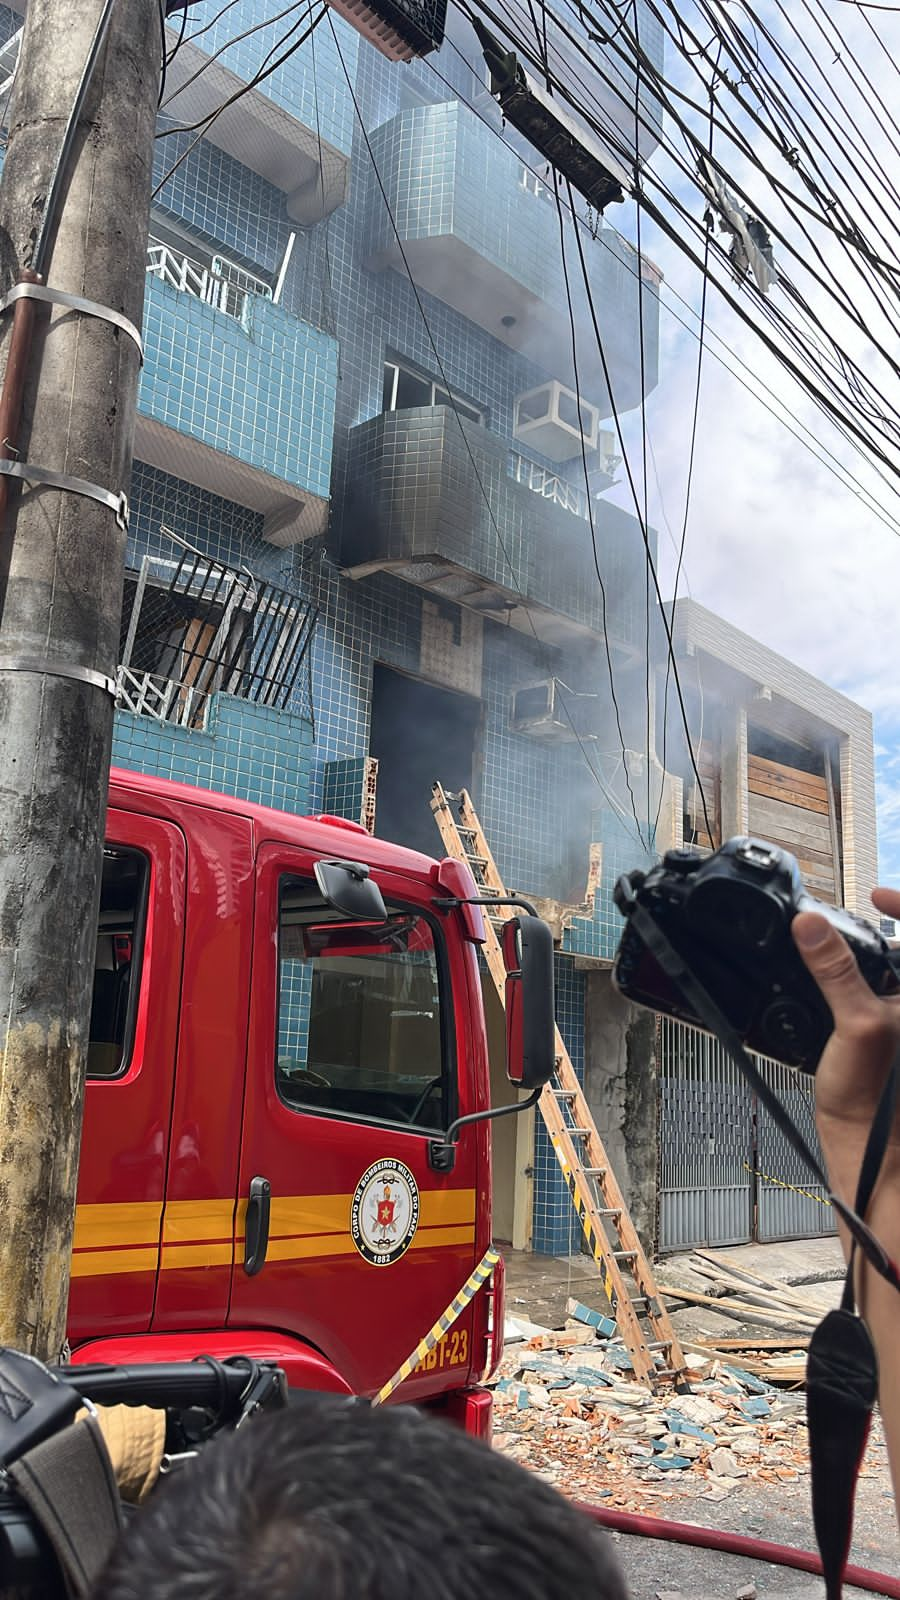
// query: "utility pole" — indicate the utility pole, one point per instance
point(61, 577)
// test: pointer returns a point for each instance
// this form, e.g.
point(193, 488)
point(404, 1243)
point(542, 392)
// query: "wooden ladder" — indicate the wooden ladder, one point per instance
point(627, 1278)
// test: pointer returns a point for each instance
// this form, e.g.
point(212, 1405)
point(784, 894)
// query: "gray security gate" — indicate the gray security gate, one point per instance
point(726, 1174)
point(789, 1203)
point(705, 1142)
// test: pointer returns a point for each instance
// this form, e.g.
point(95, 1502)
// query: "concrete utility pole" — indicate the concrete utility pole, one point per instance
point(61, 577)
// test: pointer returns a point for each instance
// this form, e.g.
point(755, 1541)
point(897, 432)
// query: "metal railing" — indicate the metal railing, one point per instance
point(227, 288)
point(549, 485)
point(193, 627)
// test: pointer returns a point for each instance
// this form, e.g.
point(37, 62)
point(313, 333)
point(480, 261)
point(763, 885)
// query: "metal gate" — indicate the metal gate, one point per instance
point(726, 1174)
point(789, 1203)
point(705, 1142)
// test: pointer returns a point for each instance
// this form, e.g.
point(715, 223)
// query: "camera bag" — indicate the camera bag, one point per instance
point(60, 1468)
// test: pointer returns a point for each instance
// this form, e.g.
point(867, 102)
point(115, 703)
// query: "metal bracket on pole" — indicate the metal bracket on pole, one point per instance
point(73, 302)
point(55, 669)
point(63, 480)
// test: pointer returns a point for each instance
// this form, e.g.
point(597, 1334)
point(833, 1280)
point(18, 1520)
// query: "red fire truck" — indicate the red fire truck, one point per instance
point(287, 1019)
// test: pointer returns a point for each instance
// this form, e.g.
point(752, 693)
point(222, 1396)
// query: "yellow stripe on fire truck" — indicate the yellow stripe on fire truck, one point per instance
point(443, 1325)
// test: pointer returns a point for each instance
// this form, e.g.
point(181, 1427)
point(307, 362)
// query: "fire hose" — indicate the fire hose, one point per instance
point(734, 1544)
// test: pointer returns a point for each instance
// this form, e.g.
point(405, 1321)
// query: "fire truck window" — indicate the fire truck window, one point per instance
point(120, 925)
point(361, 1031)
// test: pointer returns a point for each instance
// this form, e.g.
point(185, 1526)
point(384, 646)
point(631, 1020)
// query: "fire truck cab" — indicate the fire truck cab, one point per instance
point(269, 1079)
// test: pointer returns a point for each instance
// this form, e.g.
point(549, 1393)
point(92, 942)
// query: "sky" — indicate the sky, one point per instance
point(776, 543)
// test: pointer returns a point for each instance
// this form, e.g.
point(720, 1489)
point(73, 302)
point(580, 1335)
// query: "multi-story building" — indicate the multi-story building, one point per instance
point(371, 539)
point(782, 756)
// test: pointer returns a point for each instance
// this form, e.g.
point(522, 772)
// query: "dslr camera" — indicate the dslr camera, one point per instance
point(728, 916)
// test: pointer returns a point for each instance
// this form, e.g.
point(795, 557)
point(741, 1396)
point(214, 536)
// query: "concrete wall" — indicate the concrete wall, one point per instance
point(620, 1084)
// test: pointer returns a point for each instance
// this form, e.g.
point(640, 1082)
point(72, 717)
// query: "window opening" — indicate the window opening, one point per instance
point(361, 1028)
point(404, 388)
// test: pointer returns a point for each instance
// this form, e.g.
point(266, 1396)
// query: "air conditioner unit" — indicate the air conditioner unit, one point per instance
point(555, 421)
point(550, 711)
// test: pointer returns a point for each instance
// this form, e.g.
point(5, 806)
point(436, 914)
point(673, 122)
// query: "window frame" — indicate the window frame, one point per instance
point(470, 409)
point(446, 1004)
point(138, 944)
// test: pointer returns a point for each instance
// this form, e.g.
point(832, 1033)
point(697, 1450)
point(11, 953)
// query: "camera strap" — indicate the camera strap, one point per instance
point(842, 1369)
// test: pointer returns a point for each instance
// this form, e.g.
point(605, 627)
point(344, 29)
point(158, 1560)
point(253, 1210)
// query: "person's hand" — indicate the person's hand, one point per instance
point(866, 1037)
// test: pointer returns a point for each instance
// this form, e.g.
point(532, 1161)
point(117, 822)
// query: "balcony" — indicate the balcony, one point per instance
point(296, 129)
point(236, 396)
point(435, 500)
point(481, 233)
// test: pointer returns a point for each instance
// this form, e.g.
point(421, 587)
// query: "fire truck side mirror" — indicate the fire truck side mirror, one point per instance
point(347, 887)
point(527, 945)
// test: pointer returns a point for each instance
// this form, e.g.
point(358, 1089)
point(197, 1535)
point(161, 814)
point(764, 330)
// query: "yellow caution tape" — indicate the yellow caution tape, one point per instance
point(792, 1186)
point(444, 1322)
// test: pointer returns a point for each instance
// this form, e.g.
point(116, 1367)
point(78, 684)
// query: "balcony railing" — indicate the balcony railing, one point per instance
point(227, 288)
point(549, 485)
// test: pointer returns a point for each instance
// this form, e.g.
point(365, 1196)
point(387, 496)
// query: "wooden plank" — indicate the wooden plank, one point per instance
point(737, 1308)
point(816, 860)
point(790, 797)
point(735, 1274)
point(748, 1343)
point(791, 822)
point(792, 777)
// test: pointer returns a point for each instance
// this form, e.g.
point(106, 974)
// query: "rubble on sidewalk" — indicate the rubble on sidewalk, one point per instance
point(568, 1406)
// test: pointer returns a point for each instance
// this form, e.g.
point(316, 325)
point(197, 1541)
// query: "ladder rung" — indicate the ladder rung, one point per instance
point(465, 839)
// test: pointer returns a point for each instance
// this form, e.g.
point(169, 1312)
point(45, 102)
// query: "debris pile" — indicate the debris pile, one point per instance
point(567, 1405)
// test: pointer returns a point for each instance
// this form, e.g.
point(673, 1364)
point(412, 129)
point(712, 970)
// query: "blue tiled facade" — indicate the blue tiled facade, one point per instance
point(242, 750)
point(261, 389)
point(282, 391)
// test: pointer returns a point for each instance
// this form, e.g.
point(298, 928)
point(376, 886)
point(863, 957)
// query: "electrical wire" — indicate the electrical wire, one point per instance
point(541, 39)
point(61, 167)
point(645, 535)
point(257, 27)
point(838, 407)
point(164, 56)
point(590, 511)
point(689, 481)
point(642, 369)
point(449, 390)
point(810, 442)
point(265, 71)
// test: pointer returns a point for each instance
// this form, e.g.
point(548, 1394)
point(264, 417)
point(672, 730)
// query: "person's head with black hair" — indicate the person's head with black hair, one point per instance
point(335, 1501)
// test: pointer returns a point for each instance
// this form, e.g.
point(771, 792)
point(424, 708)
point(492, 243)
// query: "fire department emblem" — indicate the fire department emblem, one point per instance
point(384, 1214)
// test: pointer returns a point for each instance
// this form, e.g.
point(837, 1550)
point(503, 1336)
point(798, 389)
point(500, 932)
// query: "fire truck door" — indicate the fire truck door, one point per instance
point(131, 1064)
point(347, 1237)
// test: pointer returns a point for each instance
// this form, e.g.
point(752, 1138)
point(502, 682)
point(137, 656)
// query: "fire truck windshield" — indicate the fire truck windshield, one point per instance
point(362, 1031)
